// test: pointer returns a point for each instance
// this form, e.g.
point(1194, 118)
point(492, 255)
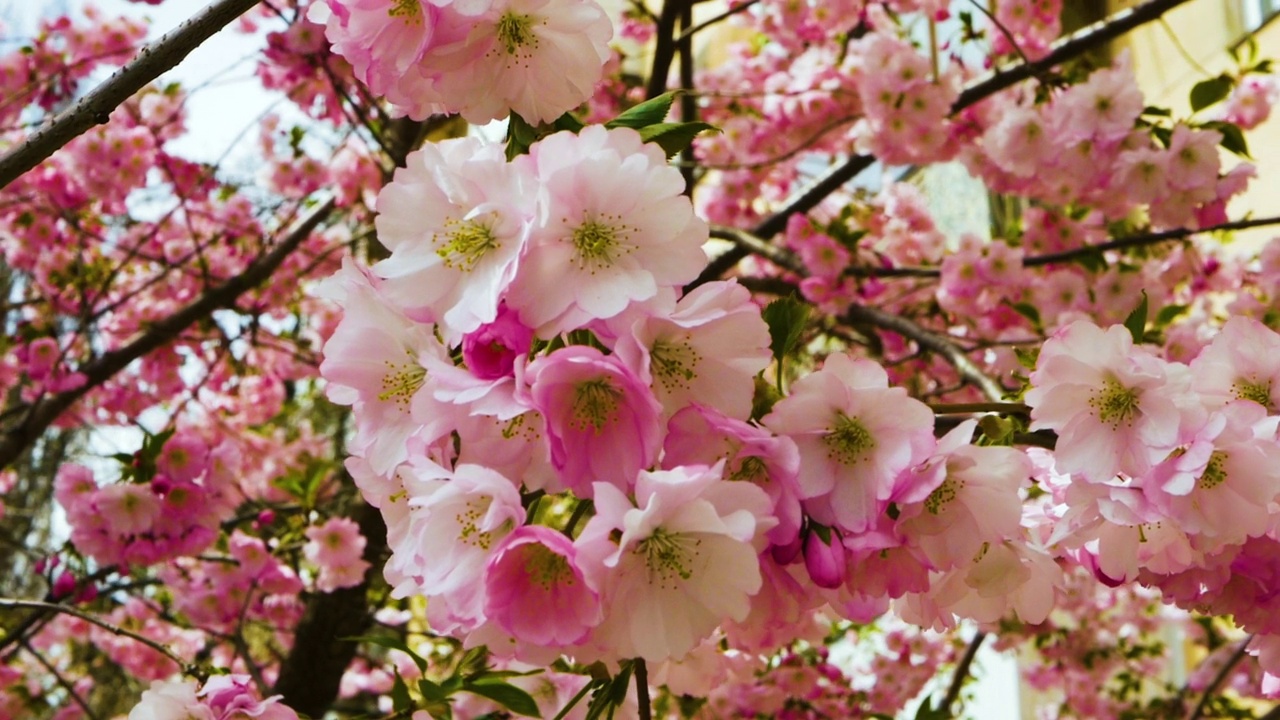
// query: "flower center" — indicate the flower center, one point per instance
point(1259, 392)
point(515, 31)
point(1115, 404)
point(942, 496)
point(597, 243)
point(1214, 474)
point(752, 469)
point(848, 441)
point(595, 405)
point(673, 363)
point(469, 532)
point(668, 557)
point(468, 242)
point(401, 382)
point(406, 9)
point(545, 568)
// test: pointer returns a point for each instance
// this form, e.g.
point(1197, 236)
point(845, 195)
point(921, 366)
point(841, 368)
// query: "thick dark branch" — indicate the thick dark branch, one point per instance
point(310, 675)
point(1074, 46)
point(96, 107)
point(44, 411)
point(1142, 240)
point(1080, 42)
point(664, 50)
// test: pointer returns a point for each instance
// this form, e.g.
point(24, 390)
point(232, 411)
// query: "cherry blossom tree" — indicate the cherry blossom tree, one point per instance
point(544, 369)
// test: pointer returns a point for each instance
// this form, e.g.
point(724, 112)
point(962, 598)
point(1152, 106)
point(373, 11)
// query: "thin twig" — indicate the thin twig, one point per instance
point(1078, 44)
point(1220, 678)
point(962, 672)
point(970, 408)
point(187, 668)
point(43, 412)
point(57, 676)
point(95, 107)
point(1147, 239)
point(690, 32)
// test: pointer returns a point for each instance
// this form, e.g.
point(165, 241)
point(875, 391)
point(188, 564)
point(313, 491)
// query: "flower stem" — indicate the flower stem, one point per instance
point(642, 690)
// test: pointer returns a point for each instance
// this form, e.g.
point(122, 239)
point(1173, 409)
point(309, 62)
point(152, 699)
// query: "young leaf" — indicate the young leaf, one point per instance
point(1137, 320)
point(649, 112)
point(674, 137)
point(391, 643)
point(400, 699)
point(786, 318)
point(507, 695)
point(1208, 92)
point(1168, 314)
point(520, 135)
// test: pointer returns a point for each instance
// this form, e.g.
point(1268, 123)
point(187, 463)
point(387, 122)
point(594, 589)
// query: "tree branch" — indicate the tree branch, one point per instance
point(95, 107)
point(689, 32)
point(44, 411)
point(1142, 240)
point(932, 341)
point(187, 668)
point(1078, 44)
point(962, 672)
point(664, 50)
point(1223, 673)
point(310, 674)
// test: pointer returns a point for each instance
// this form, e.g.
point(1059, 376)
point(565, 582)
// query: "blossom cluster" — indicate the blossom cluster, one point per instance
point(175, 513)
point(479, 58)
point(1167, 473)
point(222, 697)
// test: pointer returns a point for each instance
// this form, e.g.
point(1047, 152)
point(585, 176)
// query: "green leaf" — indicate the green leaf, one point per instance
point(1028, 311)
point(1154, 111)
point(928, 712)
point(520, 135)
point(1137, 320)
point(823, 532)
point(1232, 137)
point(649, 112)
point(391, 643)
point(507, 695)
point(400, 699)
point(674, 138)
point(1211, 91)
point(431, 691)
point(568, 122)
point(1027, 358)
point(786, 318)
point(1168, 314)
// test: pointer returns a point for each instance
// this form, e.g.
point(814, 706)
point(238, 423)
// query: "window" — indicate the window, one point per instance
point(1253, 13)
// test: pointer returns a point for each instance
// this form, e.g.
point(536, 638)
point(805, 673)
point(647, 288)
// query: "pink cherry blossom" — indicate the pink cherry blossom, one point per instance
point(856, 435)
point(535, 590)
point(683, 564)
point(602, 422)
point(612, 229)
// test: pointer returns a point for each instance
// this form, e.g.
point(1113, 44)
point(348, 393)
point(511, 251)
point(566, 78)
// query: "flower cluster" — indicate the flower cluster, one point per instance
point(1167, 473)
point(479, 58)
point(175, 513)
point(223, 697)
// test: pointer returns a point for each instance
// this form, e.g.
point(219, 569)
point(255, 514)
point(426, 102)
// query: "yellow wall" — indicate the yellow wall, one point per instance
point(1191, 45)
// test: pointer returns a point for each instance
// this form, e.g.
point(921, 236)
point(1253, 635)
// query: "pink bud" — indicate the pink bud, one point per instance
point(266, 517)
point(64, 585)
point(161, 485)
point(825, 562)
point(491, 351)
